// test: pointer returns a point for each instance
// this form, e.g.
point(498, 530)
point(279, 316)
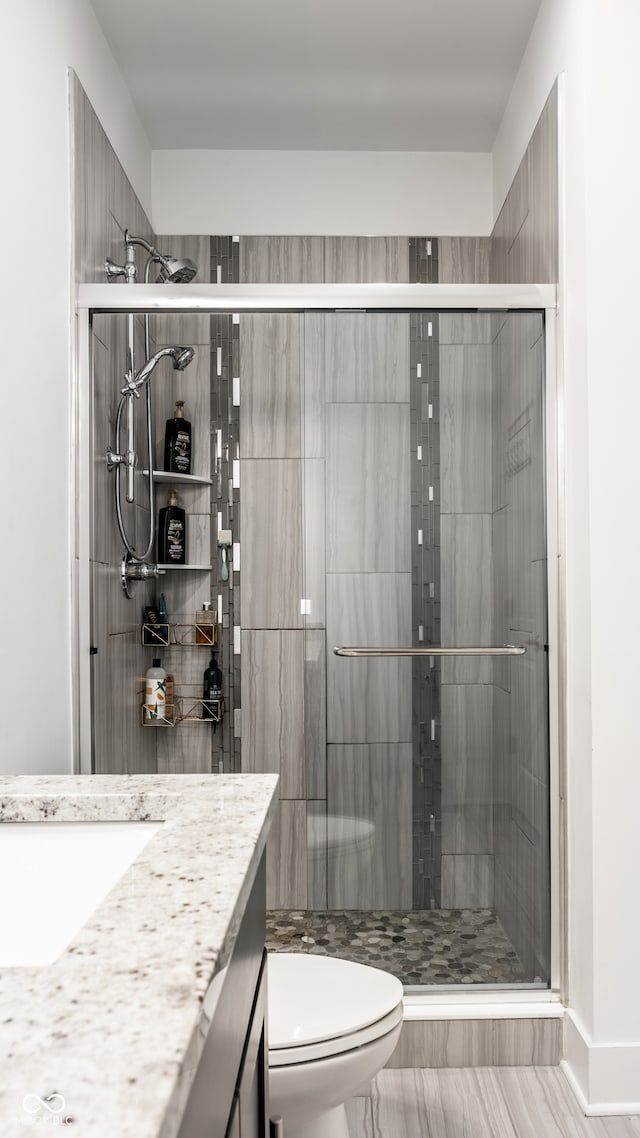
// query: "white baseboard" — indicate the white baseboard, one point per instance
point(604, 1078)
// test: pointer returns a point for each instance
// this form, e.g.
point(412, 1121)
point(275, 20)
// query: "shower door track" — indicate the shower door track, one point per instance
point(202, 298)
point(237, 299)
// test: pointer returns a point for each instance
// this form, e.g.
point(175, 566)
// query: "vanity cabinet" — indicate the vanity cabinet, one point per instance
point(228, 1098)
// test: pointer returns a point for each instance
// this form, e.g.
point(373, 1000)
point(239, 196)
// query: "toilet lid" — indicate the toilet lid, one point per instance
point(313, 998)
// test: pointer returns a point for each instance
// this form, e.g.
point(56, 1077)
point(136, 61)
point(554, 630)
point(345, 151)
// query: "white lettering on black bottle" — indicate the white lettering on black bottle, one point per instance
point(177, 442)
point(212, 691)
point(172, 533)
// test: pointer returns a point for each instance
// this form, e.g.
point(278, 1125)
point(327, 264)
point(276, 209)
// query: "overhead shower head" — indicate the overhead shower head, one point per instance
point(182, 357)
point(175, 270)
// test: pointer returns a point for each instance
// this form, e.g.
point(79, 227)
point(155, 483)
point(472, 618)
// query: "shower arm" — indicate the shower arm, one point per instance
point(130, 241)
point(129, 269)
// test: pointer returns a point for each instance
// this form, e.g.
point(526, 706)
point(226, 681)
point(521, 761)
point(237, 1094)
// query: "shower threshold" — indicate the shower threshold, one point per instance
point(434, 947)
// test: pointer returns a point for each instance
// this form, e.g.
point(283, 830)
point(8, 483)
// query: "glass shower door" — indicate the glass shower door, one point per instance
point(427, 773)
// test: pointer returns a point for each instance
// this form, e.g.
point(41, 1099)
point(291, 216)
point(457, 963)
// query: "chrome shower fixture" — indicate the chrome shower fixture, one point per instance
point(173, 270)
point(182, 357)
point(127, 460)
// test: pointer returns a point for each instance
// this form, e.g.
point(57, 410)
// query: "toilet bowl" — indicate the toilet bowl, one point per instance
point(332, 1025)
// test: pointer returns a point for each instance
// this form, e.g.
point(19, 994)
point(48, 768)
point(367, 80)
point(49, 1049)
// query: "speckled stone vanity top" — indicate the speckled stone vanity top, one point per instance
point(116, 1025)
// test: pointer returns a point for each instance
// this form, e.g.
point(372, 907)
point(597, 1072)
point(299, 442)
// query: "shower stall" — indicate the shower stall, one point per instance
point(403, 440)
point(426, 630)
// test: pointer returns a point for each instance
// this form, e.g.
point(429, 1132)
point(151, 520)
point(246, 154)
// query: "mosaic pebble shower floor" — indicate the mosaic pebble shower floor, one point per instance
point(433, 946)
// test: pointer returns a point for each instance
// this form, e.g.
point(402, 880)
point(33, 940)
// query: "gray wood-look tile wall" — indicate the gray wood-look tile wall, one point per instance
point(525, 238)
point(104, 206)
point(363, 401)
point(524, 247)
point(478, 1043)
point(308, 260)
point(369, 801)
point(271, 541)
point(335, 390)
point(352, 410)
point(188, 748)
point(357, 369)
point(464, 260)
point(521, 770)
point(466, 604)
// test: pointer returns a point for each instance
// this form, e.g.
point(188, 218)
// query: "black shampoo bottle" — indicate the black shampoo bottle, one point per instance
point(177, 442)
point(172, 533)
point(212, 691)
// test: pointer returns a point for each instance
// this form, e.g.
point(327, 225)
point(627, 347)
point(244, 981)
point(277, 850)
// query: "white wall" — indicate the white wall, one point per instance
point(612, 173)
point(321, 192)
point(41, 41)
point(594, 42)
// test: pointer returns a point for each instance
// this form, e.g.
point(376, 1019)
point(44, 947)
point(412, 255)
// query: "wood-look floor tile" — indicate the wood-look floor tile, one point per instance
point(497, 1102)
point(540, 1102)
point(440, 1104)
point(359, 1117)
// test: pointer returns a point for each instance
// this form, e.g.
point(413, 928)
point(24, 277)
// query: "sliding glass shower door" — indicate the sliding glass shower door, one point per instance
point(427, 774)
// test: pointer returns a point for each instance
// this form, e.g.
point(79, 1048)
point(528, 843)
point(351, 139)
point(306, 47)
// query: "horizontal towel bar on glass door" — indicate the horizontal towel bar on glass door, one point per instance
point(506, 650)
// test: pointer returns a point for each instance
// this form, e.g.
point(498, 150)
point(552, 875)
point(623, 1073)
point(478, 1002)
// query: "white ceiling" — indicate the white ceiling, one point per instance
point(319, 74)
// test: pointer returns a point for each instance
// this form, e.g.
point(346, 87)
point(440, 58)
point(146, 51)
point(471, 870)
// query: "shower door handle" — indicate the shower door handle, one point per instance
point(505, 650)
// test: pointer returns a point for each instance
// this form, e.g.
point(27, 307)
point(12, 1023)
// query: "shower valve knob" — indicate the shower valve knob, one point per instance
point(113, 459)
point(128, 270)
point(132, 570)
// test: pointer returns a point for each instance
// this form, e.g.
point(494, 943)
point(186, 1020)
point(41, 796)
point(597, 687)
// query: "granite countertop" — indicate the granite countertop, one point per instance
point(116, 1025)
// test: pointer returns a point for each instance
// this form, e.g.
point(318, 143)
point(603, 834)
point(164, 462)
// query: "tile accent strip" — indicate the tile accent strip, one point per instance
point(425, 570)
point(225, 498)
point(423, 260)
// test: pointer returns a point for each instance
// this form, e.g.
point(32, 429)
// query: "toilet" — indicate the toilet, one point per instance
point(332, 1025)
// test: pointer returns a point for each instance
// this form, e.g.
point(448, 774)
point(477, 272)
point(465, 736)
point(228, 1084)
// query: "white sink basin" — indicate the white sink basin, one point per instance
point(53, 875)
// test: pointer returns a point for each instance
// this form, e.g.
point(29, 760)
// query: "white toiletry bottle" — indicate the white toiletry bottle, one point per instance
point(155, 692)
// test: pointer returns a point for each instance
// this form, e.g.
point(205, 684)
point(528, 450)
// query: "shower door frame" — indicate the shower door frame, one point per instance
point(244, 299)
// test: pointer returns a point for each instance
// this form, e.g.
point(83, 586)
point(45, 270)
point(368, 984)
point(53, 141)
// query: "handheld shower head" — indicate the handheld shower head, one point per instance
point(182, 357)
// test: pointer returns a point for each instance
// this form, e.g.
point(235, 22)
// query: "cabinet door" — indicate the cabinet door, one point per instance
point(234, 1023)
